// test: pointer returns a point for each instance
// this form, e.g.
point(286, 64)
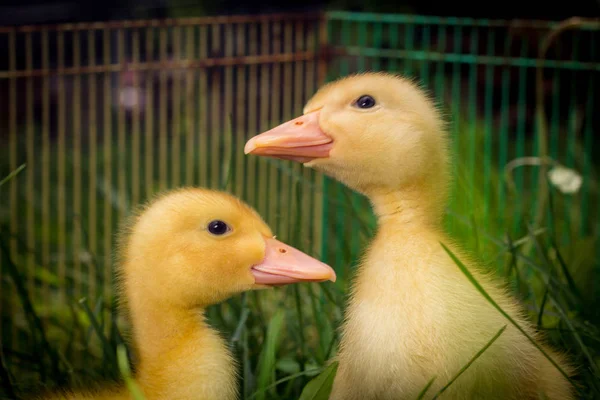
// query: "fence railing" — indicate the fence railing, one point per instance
point(517, 94)
point(106, 114)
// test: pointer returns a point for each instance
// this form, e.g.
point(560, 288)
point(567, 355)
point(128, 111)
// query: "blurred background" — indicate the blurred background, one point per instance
point(103, 104)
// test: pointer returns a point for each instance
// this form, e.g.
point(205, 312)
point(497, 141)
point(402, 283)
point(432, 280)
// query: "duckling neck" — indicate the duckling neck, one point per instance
point(174, 347)
point(159, 329)
point(408, 207)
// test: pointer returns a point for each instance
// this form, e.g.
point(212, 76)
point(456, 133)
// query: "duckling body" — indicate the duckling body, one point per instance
point(411, 318)
point(412, 314)
point(188, 249)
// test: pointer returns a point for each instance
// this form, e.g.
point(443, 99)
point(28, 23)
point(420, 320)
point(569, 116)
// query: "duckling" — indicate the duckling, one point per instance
point(186, 250)
point(412, 314)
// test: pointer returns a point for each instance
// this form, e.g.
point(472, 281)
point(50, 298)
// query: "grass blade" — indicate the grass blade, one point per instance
point(481, 290)
point(561, 261)
point(226, 166)
point(237, 334)
point(106, 346)
point(123, 363)
point(320, 386)
point(301, 356)
point(12, 174)
point(582, 345)
point(268, 358)
point(321, 325)
point(471, 361)
point(33, 319)
point(246, 368)
point(426, 388)
point(542, 306)
point(286, 379)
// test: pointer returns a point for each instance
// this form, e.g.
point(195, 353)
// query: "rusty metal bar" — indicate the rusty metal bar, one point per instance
point(107, 170)
point(189, 113)
point(176, 100)
point(167, 22)
point(149, 124)
point(273, 200)
point(30, 157)
point(227, 124)
point(240, 114)
point(322, 44)
point(61, 196)
point(252, 162)
point(46, 165)
point(12, 161)
point(318, 178)
point(285, 198)
point(263, 118)
point(301, 85)
point(121, 145)
point(168, 65)
point(288, 47)
point(215, 128)
point(309, 16)
point(76, 214)
point(203, 113)
point(298, 70)
point(163, 128)
point(135, 128)
point(93, 170)
point(309, 173)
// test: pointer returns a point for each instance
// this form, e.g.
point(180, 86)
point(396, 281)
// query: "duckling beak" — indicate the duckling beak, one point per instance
point(300, 139)
point(284, 264)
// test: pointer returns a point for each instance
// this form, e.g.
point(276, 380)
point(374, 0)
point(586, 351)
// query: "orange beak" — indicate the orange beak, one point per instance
point(284, 264)
point(300, 139)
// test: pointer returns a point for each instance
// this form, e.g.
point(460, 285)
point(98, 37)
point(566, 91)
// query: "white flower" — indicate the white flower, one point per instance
point(565, 179)
point(85, 257)
point(129, 97)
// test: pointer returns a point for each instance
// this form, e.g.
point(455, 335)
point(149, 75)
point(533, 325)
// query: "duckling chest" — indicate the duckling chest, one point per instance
point(410, 317)
point(393, 311)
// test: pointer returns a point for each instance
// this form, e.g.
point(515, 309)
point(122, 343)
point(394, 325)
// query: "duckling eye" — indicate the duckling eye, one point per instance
point(364, 102)
point(218, 227)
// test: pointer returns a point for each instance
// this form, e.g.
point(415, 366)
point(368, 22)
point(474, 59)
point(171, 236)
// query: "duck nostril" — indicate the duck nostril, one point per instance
point(282, 250)
point(298, 123)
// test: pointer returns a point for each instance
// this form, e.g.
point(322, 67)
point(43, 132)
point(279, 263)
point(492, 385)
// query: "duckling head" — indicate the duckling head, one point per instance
point(375, 132)
point(197, 247)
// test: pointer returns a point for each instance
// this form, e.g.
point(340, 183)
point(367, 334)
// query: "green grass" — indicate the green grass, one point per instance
point(469, 363)
point(284, 338)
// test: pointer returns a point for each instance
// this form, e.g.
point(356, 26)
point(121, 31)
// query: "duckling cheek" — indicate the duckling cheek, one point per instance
point(247, 252)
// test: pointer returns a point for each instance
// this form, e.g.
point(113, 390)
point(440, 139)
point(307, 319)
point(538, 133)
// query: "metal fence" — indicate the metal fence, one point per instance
point(106, 114)
point(517, 94)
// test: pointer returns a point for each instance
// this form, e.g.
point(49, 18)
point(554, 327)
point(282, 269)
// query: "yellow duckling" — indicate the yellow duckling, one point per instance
point(187, 250)
point(412, 314)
